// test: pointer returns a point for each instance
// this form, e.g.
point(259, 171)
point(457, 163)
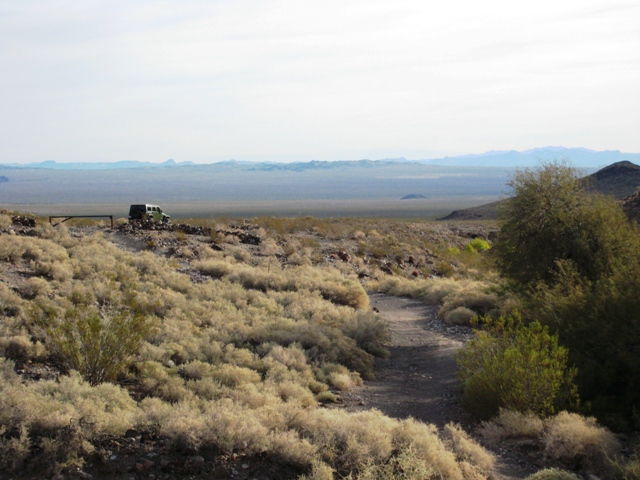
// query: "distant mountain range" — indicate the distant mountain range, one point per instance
point(578, 157)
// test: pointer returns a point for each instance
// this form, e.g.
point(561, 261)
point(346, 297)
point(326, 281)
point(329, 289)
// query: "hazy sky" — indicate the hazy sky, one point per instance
point(298, 80)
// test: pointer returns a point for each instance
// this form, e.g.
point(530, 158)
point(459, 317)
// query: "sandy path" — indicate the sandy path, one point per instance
point(419, 378)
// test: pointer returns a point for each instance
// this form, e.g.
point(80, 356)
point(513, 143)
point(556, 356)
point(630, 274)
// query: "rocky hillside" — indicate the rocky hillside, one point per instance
point(619, 180)
point(631, 206)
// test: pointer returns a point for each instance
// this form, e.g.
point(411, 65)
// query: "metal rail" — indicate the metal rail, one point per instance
point(69, 217)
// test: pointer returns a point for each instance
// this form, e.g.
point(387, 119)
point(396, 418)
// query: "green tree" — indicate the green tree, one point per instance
point(574, 258)
point(552, 219)
point(514, 366)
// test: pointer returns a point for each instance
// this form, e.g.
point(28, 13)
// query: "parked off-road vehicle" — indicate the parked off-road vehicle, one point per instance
point(148, 212)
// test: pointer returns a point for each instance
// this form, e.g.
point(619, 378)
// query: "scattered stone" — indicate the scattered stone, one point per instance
point(344, 256)
point(82, 475)
point(23, 221)
point(194, 464)
point(144, 466)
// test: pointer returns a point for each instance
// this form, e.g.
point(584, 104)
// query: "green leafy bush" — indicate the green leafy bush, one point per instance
point(574, 258)
point(514, 366)
point(477, 245)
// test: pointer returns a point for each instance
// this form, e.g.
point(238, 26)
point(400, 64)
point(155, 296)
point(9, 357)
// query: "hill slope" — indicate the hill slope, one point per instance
point(619, 180)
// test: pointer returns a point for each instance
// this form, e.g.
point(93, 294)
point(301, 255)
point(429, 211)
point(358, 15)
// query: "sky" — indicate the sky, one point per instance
point(291, 80)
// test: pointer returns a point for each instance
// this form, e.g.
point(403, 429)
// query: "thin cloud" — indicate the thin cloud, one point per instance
point(208, 81)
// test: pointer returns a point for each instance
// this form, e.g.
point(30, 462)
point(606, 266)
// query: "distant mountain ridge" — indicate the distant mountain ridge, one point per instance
point(578, 157)
point(122, 164)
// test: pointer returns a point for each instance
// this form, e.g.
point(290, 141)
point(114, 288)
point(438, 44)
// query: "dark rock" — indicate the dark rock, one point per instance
point(194, 464)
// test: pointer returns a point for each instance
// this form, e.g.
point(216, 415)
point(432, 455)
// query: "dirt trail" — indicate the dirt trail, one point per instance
point(419, 378)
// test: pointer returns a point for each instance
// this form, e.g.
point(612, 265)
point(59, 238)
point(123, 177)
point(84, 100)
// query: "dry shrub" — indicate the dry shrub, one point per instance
point(48, 405)
point(36, 286)
point(459, 316)
point(21, 347)
point(5, 221)
point(468, 449)
point(338, 376)
point(553, 474)
point(579, 441)
point(214, 268)
point(98, 343)
point(319, 471)
point(11, 305)
point(299, 260)
point(472, 297)
point(424, 443)
point(233, 376)
point(510, 423)
point(369, 331)
point(435, 291)
point(239, 253)
point(15, 248)
point(234, 364)
point(14, 449)
point(327, 397)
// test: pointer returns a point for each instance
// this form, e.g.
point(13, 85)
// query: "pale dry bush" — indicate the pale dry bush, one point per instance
point(348, 441)
point(553, 474)
point(14, 450)
point(48, 405)
point(424, 442)
point(21, 347)
point(90, 258)
point(459, 316)
point(338, 376)
point(569, 437)
point(239, 254)
point(468, 449)
point(510, 423)
point(214, 268)
point(270, 247)
point(319, 471)
point(11, 305)
point(234, 376)
point(208, 389)
point(451, 294)
point(291, 391)
point(299, 259)
point(332, 285)
point(60, 271)
point(473, 297)
point(36, 286)
point(235, 364)
point(15, 248)
point(368, 445)
point(228, 426)
point(5, 221)
point(430, 290)
point(196, 370)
